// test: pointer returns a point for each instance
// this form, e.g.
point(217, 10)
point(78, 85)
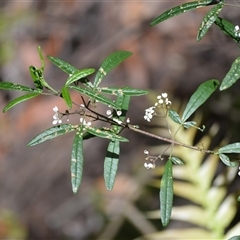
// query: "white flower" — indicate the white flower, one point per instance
point(146, 152)
point(83, 121)
point(160, 101)
point(149, 165)
point(149, 113)
point(55, 109)
point(237, 31)
point(128, 120)
point(56, 118)
point(164, 95)
point(119, 113)
point(109, 112)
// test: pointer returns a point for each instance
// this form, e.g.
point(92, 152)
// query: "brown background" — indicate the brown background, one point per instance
point(35, 181)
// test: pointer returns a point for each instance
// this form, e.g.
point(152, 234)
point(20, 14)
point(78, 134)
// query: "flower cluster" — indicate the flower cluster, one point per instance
point(162, 102)
point(237, 31)
point(149, 112)
point(150, 158)
point(57, 116)
point(239, 170)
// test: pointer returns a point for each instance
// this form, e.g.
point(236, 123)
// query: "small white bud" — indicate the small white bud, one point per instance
point(119, 113)
point(164, 95)
point(108, 112)
point(55, 109)
point(146, 152)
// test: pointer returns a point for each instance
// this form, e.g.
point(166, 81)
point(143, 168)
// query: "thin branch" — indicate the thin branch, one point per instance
point(131, 127)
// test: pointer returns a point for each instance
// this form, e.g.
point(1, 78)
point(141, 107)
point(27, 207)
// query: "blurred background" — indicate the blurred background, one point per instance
point(36, 201)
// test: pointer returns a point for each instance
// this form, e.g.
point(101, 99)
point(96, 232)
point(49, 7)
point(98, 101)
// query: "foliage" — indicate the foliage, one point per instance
point(210, 207)
point(115, 120)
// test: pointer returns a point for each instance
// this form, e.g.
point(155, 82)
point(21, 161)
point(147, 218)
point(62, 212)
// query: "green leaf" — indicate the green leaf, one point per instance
point(174, 116)
point(40, 82)
point(189, 124)
point(51, 133)
point(228, 28)
point(109, 63)
point(166, 193)
point(17, 87)
point(34, 72)
point(231, 148)
point(225, 159)
point(203, 92)
point(232, 76)
point(208, 20)
point(179, 10)
point(19, 100)
point(238, 198)
point(111, 164)
point(105, 134)
point(64, 66)
point(77, 161)
point(177, 161)
point(123, 91)
point(93, 94)
point(235, 238)
point(67, 97)
point(79, 75)
point(41, 57)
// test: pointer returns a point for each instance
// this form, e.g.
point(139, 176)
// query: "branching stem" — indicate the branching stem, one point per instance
point(131, 127)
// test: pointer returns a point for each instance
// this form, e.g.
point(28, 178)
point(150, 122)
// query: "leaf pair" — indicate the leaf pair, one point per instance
point(207, 22)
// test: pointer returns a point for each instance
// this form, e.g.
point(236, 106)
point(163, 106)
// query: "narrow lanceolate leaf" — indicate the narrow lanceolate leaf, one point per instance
point(179, 10)
point(203, 92)
point(232, 76)
point(52, 133)
point(93, 94)
point(111, 164)
point(80, 75)
point(123, 91)
point(225, 159)
point(17, 87)
point(208, 20)
point(109, 63)
point(67, 97)
point(64, 66)
point(228, 28)
point(77, 161)
point(231, 148)
point(40, 54)
point(19, 100)
point(174, 116)
point(166, 194)
point(106, 134)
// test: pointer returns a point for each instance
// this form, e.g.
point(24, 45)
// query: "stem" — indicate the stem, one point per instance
point(231, 5)
point(131, 127)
